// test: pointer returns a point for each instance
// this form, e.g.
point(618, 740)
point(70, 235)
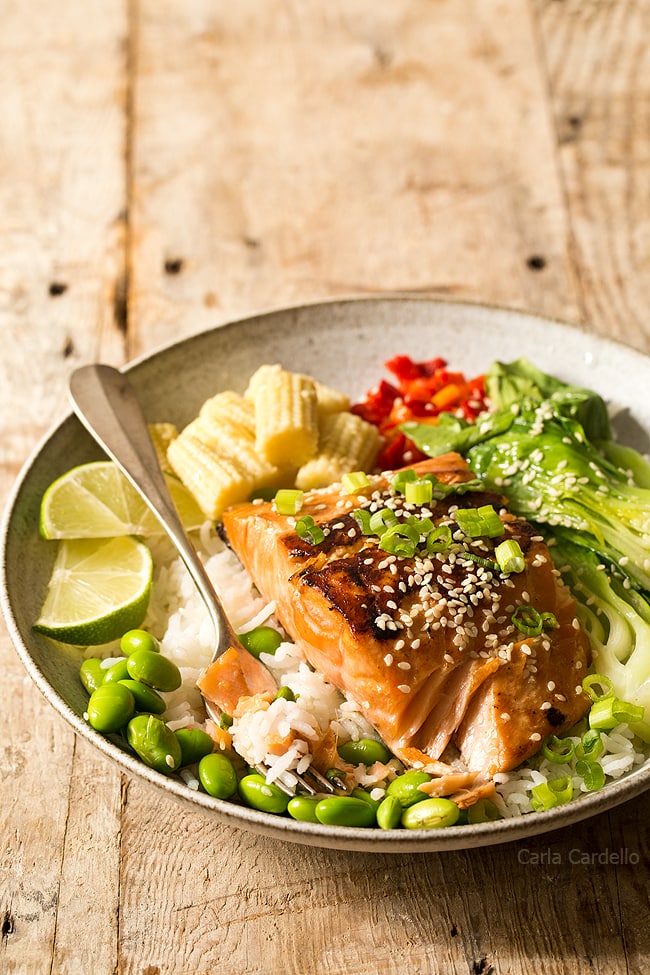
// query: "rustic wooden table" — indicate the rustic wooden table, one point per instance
point(167, 166)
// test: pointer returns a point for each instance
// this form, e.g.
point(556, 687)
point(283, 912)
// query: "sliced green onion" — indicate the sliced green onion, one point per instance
point(590, 745)
point(288, 501)
point(439, 539)
point(400, 540)
point(424, 525)
point(362, 518)
point(627, 713)
point(558, 750)
point(480, 560)
point(225, 721)
point(527, 620)
point(592, 682)
point(309, 531)
point(483, 520)
point(591, 773)
point(355, 481)
point(418, 492)
point(402, 478)
point(510, 556)
point(381, 520)
point(546, 795)
point(601, 715)
point(549, 621)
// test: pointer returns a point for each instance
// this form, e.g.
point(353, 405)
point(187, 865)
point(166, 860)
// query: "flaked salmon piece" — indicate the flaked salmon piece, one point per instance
point(426, 646)
point(233, 676)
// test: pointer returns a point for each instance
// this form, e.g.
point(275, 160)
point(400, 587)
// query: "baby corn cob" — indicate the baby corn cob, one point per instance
point(330, 400)
point(347, 443)
point(231, 410)
point(215, 480)
point(286, 415)
point(162, 435)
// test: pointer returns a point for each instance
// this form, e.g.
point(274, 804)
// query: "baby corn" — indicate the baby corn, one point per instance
point(347, 443)
point(286, 415)
point(162, 435)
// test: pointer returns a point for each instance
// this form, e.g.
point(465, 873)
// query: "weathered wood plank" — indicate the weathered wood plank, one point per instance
point(62, 203)
point(349, 148)
point(598, 63)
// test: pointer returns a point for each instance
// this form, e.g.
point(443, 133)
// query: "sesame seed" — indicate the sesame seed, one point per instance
point(535, 736)
point(505, 716)
point(404, 688)
point(404, 665)
point(551, 685)
point(388, 659)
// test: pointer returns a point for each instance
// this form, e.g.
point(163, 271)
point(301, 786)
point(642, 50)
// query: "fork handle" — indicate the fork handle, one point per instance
point(107, 405)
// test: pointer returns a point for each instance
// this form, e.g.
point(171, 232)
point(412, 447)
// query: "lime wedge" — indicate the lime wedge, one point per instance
point(99, 589)
point(96, 501)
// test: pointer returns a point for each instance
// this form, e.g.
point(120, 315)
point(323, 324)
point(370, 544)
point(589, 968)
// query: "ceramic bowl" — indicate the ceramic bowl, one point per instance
point(345, 344)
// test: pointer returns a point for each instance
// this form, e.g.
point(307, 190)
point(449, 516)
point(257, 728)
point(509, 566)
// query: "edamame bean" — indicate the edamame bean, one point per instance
point(389, 814)
point(433, 813)
point(195, 744)
point(262, 795)
point(483, 811)
point(91, 674)
point(365, 751)
point(110, 707)
point(303, 808)
point(405, 787)
point(360, 793)
point(146, 699)
point(217, 775)
point(154, 669)
point(285, 693)
point(138, 640)
point(154, 742)
point(263, 639)
point(345, 811)
point(117, 671)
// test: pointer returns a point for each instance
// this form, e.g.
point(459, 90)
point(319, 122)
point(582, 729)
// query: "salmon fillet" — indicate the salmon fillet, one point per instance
point(425, 645)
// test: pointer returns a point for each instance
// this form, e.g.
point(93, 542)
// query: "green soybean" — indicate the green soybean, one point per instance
point(195, 744)
point(406, 787)
point(285, 693)
point(146, 699)
point(217, 775)
point(360, 793)
point(260, 794)
point(303, 808)
point(138, 640)
point(154, 669)
point(91, 674)
point(483, 811)
point(345, 811)
point(389, 814)
point(154, 742)
point(117, 671)
point(110, 707)
point(433, 813)
point(365, 751)
point(263, 639)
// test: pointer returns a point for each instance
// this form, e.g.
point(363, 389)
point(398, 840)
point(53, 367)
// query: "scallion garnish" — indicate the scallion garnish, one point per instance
point(558, 750)
point(480, 560)
point(546, 795)
point(527, 620)
point(381, 520)
point(510, 556)
point(418, 492)
point(362, 518)
point(288, 501)
point(402, 478)
point(355, 481)
point(475, 522)
point(439, 539)
point(591, 773)
point(590, 745)
point(309, 531)
point(400, 540)
point(597, 686)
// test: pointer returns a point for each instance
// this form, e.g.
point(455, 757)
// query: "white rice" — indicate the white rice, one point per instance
point(178, 618)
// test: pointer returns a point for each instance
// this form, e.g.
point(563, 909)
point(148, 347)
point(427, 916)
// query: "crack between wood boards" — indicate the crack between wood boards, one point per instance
point(546, 78)
point(121, 300)
point(62, 858)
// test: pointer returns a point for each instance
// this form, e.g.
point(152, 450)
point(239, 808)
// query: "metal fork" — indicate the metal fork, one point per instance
point(107, 405)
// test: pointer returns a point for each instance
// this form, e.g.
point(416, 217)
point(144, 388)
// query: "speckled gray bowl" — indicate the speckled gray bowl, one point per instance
point(344, 343)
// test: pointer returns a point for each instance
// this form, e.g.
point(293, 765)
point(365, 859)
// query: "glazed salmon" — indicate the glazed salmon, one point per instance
point(426, 644)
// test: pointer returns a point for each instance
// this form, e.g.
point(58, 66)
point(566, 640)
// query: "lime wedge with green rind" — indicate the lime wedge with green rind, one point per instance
point(99, 589)
point(95, 500)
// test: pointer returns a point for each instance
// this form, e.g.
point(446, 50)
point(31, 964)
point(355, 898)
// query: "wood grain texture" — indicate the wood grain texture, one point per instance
point(169, 166)
point(340, 149)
